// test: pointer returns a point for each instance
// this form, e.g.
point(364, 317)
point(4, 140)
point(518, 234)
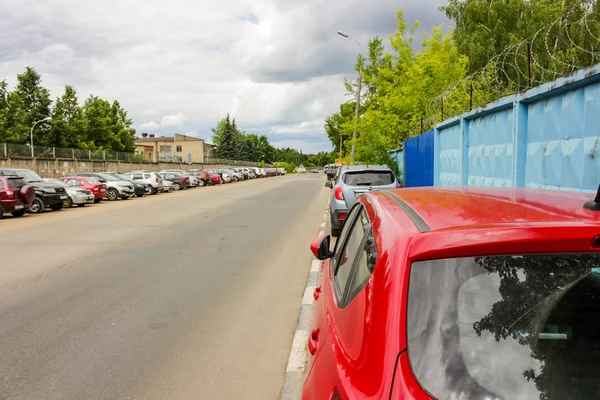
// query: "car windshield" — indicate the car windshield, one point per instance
point(57, 182)
point(29, 175)
point(108, 177)
point(368, 178)
point(92, 179)
point(122, 177)
point(506, 327)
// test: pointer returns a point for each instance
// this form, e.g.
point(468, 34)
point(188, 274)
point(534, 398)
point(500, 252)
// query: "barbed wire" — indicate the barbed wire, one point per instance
point(566, 45)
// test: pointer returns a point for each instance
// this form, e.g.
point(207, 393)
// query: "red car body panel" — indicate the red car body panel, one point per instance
point(95, 188)
point(214, 177)
point(360, 350)
point(12, 198)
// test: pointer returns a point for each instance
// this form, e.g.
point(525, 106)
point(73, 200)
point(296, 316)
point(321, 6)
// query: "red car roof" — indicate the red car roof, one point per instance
point(470, 207)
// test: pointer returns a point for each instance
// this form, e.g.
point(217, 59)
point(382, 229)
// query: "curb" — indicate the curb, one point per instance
point(296, 365)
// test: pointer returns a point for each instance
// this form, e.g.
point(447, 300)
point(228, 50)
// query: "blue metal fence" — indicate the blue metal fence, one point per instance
point(547, 137)
point(418, 154)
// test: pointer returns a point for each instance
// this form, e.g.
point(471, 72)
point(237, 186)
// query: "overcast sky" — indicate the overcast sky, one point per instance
point(181, 65)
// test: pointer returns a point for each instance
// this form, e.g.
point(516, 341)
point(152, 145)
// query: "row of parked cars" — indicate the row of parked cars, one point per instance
point(23, 190)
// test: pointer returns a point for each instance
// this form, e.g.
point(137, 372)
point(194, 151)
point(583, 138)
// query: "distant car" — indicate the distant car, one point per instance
point(458, 293)
point(78, 195)
point(215, 177)
point(193, 181)
point(352, 182)
point(15, 196)
point(116, 188)
point(140, 188)
point(166, 186)
point(226, 177)
point(249, 172)
point(148, 178)
point(235, 176)
point(90, 183)
point(203, 177)
point(245, 174)
point(179, 182)
point(47, 195)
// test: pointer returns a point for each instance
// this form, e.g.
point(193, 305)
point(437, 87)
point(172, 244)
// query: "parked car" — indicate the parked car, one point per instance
point(116, 188)
point(352, 182)
point(215, 177)
point(47, 195)
point(192, 180)
point(15, 196)
point(249, 173)
point(90, 183)
point(148, 178)
point(282, 171)
point(226, 177)
point(179, 182)
point(451, 293)
point(203, 176)
point(78, 195)
point(270, 172)
point(235, 176)
point(139, 188)
point(258, 172)
point(166, 186)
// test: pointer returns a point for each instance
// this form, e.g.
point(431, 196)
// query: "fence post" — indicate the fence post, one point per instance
point(471, 96)
point(528, 65)
point(104, 155)
point(89, 154)
point(5, 151)
point(73, 153)
point(53, 152)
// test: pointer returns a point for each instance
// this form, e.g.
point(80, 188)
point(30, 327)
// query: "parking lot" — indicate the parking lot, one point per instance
point(182, 295)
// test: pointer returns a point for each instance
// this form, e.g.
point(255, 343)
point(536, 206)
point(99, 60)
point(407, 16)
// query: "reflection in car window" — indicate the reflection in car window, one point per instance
point(349, 253)
point(344, 233)
point(1, 186)
point(506, 327)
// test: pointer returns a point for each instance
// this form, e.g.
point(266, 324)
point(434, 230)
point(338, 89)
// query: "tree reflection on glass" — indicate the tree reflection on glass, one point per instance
point(550, 303)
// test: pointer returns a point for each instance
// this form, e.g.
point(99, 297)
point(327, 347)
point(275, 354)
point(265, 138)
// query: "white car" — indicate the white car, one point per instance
point(149, 178)
point(78, 195)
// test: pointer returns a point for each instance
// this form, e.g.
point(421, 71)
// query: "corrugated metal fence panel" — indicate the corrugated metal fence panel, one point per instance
point(449, 156)
point(418, 154)
point(562, 138)
point(547, 137)
point(490, 148)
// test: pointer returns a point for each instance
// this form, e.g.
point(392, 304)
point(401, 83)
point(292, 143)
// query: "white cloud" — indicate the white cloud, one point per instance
point(181, 65)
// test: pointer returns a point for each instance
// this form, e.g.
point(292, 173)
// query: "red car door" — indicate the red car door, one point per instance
point(347, 352)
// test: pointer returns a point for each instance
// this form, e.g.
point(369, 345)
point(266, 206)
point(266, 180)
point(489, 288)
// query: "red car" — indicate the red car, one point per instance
point(215, 177)
point(99, 190)
point(459, 293)
point(15, 196)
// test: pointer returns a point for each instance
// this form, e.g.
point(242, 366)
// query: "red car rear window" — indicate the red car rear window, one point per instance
point(506, 327)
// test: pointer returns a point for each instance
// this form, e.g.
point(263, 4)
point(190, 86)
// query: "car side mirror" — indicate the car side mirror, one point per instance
point(329, 184)
point(102, 180)
point(320, 248)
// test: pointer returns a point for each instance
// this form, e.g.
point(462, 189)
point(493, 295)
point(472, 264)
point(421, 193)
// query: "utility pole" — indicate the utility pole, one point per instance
point(356, 111)
point(341, 152)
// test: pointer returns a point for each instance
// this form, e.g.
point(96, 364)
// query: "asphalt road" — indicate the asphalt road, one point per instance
point(188, 295)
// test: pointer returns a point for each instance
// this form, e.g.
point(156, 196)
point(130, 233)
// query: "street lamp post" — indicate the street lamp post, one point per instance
point(357, 108)
point(260, 158)
point(31, 134)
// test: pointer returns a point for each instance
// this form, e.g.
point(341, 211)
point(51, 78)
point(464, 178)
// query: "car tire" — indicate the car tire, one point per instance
point(1, 213)
point(57, 207)
point(112, 194)
point(37, 206)
point(176, 186)
point(68, 203)
point(335, 231)
point(81, 205)
point(96, 201)
point(124, 197)
point(149, 189)
point(201, 183)
point(16, 213)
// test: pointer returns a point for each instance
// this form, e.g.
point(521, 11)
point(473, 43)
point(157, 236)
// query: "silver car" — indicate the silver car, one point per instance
point(116, 188)
point(350, 183)
point(78, 195)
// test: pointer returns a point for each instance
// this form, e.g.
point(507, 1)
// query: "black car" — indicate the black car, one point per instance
point(46, 194)
point(140, 189)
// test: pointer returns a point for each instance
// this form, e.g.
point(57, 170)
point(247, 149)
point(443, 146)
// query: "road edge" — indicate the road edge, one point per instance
point(297, 360)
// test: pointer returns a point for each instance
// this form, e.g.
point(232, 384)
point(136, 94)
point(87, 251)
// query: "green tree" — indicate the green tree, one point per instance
point(35, 102)
point(98, 132)
point(12, 117)
point(67, 125)
point(225, 139)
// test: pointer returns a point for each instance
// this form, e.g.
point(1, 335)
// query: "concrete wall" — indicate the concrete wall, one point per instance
point(546, 137)
point(55, 168)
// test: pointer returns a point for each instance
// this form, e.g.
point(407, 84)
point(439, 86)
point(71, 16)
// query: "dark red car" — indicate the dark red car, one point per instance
point(15, 196)
point(99, 189)
point(459, 293)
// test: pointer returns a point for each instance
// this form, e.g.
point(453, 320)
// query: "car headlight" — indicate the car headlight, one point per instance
point(49, 190)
